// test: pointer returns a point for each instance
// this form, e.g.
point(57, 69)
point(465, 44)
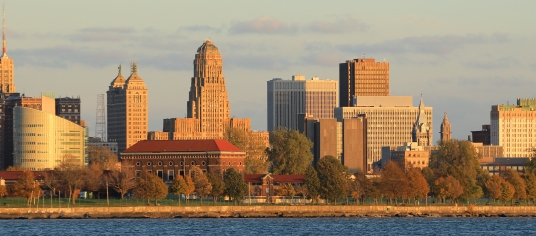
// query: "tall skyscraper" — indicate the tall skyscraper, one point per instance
point(288, 98)
point(127, 109)
point(513, 126)
point(446, 133)
point(7, 83)
point(362, 77)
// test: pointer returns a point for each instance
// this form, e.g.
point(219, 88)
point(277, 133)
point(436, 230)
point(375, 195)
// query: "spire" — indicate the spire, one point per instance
point(4, 32)
point(119, 68)
point(421, 104)
point(134, 67)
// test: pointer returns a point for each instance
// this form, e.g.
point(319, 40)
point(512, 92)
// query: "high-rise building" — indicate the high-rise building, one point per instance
point(7, 82)
point(209, 110)
point(42, 140)
point(288, 98)
point(446, 133)
point(513, 126)
point(390, 122)
point(362, 77)
point(128, 109)
point(68, 108)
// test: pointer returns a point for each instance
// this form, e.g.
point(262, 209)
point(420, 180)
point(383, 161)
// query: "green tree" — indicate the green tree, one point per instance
point(418, 186)
point(254, 147)
point(26, 187)
point(290, 152)
point(311, 183)
point(332, 175)
point(235, 187)
point(394, 183)
point(459, 159)
point(494, 187)
point(149, 187)
point(218, 186)
point(102, 156)
point(201, 183)
point(515, 179)
point(178, 187)
point(256, 165)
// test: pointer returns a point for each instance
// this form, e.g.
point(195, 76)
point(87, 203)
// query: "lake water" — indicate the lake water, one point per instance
point(273, 226)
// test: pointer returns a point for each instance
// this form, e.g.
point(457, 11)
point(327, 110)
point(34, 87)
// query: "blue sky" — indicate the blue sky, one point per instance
point(463, 56)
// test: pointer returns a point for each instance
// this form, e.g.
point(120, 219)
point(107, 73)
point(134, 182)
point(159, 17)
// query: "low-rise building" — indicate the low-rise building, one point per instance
point(409, 155)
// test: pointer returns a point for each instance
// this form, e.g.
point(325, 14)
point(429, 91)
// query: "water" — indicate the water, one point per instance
point(272, 226)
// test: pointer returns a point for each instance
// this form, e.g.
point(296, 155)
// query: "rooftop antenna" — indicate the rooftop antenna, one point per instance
point(100, 126)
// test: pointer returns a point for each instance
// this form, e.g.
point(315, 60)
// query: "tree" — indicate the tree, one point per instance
point(3, 191)
point(448, 187)
point(290, 152)
point(494, 187)
point(254, 147)
point(311, 183)
point(51, 182)
point(201, 183)
point(93, 177)
point(149, 187)
point(26, 187)
point(356, 189)
point(70, 172)
point(218, 186)
point(530, 184)
point(394, 183)
point(507, 191)
point(178, 187)
point(459, 159)
point(332, 176)
point(189, 187)
point(103, 157)
point(122, 180)
point(530, 166)
point(418, 186)
point(235, 187)
point(15, 168)
point(515, 179)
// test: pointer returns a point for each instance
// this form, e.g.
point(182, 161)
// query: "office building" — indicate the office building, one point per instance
point(288, 98)
point(68, 108)
point(362, 77)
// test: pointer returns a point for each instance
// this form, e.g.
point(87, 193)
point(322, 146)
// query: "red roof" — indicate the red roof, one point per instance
point(182, 146)
point(255, 178)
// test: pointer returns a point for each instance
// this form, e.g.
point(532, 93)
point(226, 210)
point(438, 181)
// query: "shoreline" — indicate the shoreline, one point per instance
point(313, 211)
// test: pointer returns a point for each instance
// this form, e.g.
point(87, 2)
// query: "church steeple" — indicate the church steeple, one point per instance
point(421, 128)
point(445, 129)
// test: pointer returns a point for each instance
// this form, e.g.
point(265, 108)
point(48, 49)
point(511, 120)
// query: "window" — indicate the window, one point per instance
point(159, 163)
point(193, 163)
point(170, 163)
point(160, 174)
point(138, 163)
point(203, 163)
point(149, 163)
point(171, 175)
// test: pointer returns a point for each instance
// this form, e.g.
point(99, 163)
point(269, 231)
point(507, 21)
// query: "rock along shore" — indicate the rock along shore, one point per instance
point(266, 211)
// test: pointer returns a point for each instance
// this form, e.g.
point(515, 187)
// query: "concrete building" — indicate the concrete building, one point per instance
point(410, 155)
point(390, 122)
point(288, 98)
point(68, 108)
point(42, 140)
point(446, 130)
point(169, 158)
point(208, 108)
point(513, 126)
point(344, 140)
point(127, 109)
point(98, 142)
point(362, 77)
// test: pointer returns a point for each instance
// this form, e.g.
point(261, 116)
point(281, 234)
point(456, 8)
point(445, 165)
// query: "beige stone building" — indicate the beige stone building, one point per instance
point(513, 126)
point(209, 111)
point(362, 77)
point(288, 98)
point(128, 109)
point(410, 155)
point(390, 121)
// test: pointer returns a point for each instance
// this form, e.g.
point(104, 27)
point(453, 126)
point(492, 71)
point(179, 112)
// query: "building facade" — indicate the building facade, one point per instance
point(98, 142)
point(390, 121)
point(362, 77)
point(482, 136)
point(42, 140)
point(69, 108)
point(288, 98)
point(513, 126)
point(410, 155)
point(169, 158)
point(127, 109)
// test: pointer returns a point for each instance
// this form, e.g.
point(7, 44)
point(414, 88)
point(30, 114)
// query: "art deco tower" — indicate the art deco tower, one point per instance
point(208, 101)
point(446, 133)
point(7, 84)
point(127, 109)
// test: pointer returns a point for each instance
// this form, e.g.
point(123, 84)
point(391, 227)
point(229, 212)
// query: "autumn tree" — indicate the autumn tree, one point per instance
point(26, 187)
point(530, 184)
point(122, 180)
point(494, 187)
point(252, 144)
point(507, 191)
point(201, 183)
point(311, 183)
point(235, 187)
point(93, 177)
point(70, 171)
point(189, 187)
point(177, 187)
point(149, 186)
point(448, 187)
point(418, 186)
point(218, 186)
point(290, 152)
point(518, 182)
point(51, 182)
point(3, 191)
point(394, 183)
point(15, 168)
point(459, 159)
point(355, 189)
point(102, 156)
point(332, 175)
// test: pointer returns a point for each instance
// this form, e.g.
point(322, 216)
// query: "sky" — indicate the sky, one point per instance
point(462, 56)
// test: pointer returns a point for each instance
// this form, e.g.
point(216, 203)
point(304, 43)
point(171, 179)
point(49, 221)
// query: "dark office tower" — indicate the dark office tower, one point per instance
point(362, 77)
point(68, 108)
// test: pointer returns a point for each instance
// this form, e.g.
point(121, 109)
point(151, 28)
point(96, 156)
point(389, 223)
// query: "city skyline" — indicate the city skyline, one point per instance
point(462, 61)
